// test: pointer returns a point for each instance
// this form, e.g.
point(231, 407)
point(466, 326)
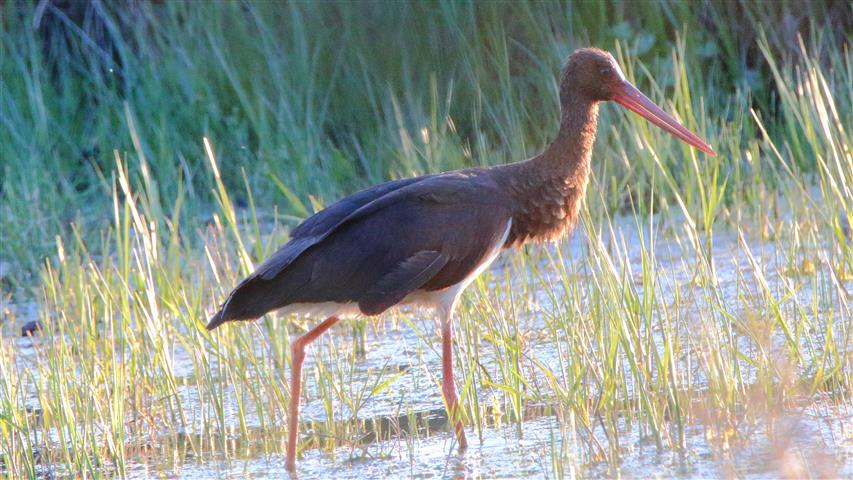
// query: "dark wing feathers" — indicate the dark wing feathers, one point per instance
point(325, 220)
point(407, 277)
point(315, 228)
point(428, 233)
point(282, 258)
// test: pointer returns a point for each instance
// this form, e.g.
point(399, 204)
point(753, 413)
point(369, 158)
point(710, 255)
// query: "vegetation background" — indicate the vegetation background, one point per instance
point(323, 98)
point(121, 227)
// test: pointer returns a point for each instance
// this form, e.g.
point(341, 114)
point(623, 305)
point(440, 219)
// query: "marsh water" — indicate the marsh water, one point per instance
point(401, 427)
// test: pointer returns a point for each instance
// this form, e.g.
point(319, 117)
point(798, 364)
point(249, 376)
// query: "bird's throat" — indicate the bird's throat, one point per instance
point(548, 189)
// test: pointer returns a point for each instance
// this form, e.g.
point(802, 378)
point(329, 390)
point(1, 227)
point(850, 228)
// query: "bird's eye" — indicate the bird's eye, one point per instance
point(606, 71)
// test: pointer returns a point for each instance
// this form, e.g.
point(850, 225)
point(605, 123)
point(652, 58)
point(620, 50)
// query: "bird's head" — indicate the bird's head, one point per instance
point(595, 75)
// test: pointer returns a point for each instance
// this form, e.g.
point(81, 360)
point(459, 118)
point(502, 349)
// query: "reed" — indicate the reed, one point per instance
point(701, 305)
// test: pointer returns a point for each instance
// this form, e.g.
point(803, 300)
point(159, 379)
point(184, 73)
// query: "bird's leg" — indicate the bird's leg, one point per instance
point(297, 356)
point(447, 385)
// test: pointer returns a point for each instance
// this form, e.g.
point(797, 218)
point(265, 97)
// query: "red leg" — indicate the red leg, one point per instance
point(297, 356)
point(447, 386)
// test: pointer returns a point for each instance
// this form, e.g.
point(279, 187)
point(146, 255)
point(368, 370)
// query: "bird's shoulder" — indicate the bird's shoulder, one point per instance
point(327, 218)
point(470, 186)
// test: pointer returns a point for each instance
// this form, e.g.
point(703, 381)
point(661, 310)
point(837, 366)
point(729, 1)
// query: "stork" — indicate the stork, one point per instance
point(423, 240)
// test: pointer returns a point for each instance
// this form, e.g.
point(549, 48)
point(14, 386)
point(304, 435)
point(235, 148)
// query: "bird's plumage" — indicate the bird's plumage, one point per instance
point(424, 239)
point(380, 245)
point(376, 247)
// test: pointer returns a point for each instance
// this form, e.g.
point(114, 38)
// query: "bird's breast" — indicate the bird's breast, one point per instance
point(546, 211)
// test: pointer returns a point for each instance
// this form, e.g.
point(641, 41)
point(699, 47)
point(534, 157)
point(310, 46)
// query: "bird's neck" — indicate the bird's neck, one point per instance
point(548, 189)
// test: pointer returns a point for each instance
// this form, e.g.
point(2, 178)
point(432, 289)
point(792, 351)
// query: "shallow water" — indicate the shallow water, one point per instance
point(403, 427)
point(818, 443)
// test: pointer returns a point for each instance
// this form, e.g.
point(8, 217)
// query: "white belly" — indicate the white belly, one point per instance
point(322, 310)
point(443, 299)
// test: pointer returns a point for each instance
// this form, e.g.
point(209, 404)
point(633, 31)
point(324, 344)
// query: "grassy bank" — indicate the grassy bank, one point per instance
point(149, 166)
point(325, 99)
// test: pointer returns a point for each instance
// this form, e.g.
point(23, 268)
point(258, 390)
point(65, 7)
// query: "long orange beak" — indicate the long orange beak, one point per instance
point(627, 95)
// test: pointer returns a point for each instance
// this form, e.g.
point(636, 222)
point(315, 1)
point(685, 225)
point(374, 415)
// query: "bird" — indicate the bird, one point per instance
point(421, 241)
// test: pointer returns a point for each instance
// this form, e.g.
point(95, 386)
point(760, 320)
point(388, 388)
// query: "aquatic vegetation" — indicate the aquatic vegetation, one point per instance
point(697, 324)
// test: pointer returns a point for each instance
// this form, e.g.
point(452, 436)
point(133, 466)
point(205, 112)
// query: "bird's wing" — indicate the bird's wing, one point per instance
point(316, 227)
point(406, 277)
point(427, 235)
point(325, 220)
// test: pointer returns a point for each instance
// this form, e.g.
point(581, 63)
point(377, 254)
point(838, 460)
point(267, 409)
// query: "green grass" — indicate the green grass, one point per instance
point(132, 203)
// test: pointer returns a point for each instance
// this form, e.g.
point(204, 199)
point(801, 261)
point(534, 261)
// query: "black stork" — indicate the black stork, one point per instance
point(423, 240)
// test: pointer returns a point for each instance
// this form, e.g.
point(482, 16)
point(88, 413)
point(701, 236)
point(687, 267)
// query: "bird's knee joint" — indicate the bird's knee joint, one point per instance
point(449, 394)
point(297, 351)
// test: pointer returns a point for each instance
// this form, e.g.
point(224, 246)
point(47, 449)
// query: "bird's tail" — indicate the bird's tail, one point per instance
point(216, 320)
point(251, 299)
